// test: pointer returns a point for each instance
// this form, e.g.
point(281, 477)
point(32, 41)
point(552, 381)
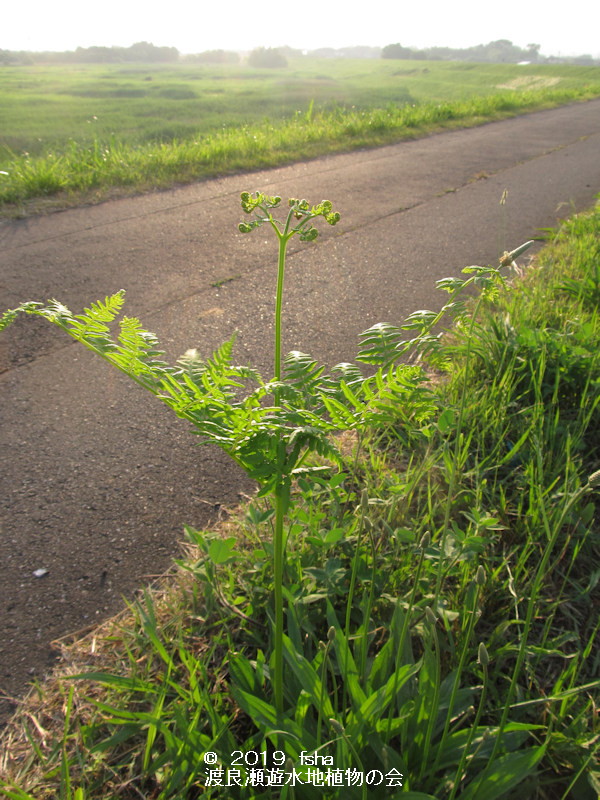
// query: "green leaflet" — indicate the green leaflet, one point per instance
point(504, 774)
point(308, 678)
point(379, 344)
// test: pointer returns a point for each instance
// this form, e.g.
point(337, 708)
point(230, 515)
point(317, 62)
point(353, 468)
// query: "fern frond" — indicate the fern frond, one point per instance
point(351, 397)
point(311, 439)
point(192, 364)
point(349, 373)
point(288, 395)
point(221, 358)
point(450, 285)
point(92, 323)
point(90, 327)
point(8, 317)
point(216, 374)
point(104, 311)
point(379, 344)
point(302, 371)
point(341, 416)
point(419, 320)
point(57, 312)
point(135, 339)
point(399, 395)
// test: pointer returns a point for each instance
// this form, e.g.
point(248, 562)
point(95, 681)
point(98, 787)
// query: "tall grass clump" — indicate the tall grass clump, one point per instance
point(93, 170)
point(408, 608)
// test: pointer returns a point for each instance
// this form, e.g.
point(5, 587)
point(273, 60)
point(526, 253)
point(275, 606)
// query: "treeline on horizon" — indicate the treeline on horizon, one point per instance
point(499, 51)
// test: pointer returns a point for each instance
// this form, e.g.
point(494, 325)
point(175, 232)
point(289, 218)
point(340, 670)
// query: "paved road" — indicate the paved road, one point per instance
point(97, 480)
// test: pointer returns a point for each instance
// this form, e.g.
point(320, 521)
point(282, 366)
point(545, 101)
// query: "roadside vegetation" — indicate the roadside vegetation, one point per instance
point(82, 133)
point(420, 565)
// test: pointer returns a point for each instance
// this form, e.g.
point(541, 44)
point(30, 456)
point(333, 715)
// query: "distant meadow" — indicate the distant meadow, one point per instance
point(81, 131)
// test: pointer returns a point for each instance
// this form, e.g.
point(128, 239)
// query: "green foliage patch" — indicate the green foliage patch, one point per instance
point(412, 595)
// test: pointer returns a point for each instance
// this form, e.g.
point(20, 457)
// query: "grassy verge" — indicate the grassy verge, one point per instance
point(441, 594)
point(90, 172)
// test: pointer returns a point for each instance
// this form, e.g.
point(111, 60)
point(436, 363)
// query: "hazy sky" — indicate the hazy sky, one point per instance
point(570, 28)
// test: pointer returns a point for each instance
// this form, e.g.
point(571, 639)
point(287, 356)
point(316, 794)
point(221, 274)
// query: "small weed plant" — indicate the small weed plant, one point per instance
point(406, 609)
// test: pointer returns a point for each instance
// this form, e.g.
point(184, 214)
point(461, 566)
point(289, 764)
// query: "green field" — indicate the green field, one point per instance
point(90, 117)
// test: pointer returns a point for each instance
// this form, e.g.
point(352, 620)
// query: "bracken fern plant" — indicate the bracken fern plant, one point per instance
point(268, 427)
point(390, 707)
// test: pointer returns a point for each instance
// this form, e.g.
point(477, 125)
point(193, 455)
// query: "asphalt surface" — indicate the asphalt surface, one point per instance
point(96, 479)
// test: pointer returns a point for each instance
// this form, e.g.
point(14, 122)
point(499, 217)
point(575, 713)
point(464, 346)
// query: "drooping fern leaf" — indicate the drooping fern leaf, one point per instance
point(92, 325)
point(8, 317)
point(213, 394)
point(138, 355)
point(104, 311)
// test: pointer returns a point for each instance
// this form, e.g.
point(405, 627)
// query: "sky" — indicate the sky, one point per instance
point(196, 25)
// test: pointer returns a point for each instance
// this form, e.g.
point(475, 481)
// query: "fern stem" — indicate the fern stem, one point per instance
point(282, 491)
point(283, 240)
